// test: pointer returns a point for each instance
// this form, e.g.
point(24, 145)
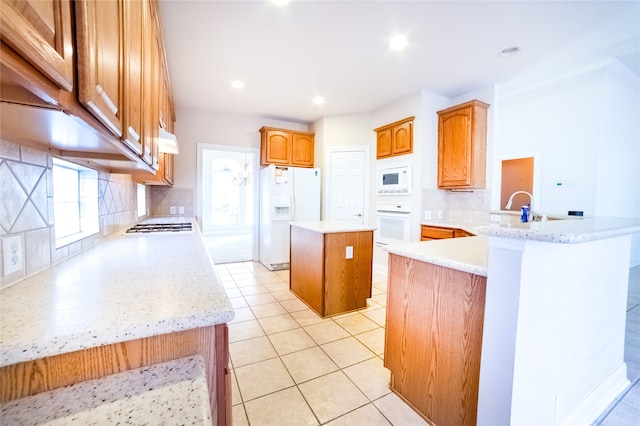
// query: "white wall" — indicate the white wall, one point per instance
point(585, 128)
point(339, 131)
point(193, 126)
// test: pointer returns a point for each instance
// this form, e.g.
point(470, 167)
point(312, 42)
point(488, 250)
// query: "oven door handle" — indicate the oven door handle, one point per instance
point(390, 213)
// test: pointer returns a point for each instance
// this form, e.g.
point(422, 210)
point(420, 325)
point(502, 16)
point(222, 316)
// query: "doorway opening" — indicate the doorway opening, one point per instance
point(227, 201)
point(517, 175)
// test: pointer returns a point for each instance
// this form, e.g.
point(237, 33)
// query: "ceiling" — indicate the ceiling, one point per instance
point(288, 54)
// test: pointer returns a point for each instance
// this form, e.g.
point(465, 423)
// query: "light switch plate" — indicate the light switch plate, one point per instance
point(349, 252)
point(12, 254)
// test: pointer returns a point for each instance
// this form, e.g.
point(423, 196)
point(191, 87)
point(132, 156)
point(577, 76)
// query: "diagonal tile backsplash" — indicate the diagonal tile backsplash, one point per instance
point(26, 210)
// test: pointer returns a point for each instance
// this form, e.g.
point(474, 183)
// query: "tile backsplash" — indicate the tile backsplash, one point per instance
point(164, 197)
point(26, 210)
point(457, 206)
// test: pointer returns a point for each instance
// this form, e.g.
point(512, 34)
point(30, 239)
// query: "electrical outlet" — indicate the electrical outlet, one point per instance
point(495, 218)
point(172, 209)
point(427, 215)
point(12, 254)
point(349, 252)
point(181, 210)
point(440, 214)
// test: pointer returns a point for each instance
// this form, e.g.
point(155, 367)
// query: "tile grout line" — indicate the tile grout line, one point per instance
point(316, 344)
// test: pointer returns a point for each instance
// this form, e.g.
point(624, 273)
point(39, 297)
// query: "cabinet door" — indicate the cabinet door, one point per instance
point(40, 31)
point(383, 143)
point(100, 67)
point(153, 79)
point(277, 146)
point(302, 150)
point(454, 148)
point(134, 55)
point(403, 138)
point(436, 232)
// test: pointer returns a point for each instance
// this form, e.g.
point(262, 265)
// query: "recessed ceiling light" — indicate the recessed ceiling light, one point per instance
point(398, 42)
point(319, 100)
point(237, 84)
point(280, 2)
point(509, 51)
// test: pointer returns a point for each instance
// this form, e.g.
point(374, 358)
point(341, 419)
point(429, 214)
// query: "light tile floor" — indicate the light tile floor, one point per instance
point(291, 367)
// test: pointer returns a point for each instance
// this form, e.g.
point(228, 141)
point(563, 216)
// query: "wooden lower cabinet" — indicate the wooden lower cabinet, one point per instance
point(212, 342)
point(433, 338)
point(323, 278)
point(428, 233)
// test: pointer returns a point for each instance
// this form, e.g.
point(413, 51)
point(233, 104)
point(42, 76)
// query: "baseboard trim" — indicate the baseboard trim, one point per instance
point(599, 399)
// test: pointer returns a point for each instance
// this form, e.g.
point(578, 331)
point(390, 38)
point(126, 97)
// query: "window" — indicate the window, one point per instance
point(75, 202)
point(142, 200)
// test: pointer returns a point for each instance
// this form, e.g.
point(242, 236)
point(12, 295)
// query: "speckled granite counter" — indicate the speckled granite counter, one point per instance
point(128, 287)
point(147, 395)
point(332, 226)
point(566, 231)
point(467, 254)
point(470, 254)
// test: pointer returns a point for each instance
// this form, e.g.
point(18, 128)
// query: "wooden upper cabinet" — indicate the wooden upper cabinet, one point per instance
point(462, 144)
point(395, 138)
point(135, 61)
point(99, 30)
point(275, 146)
point(153, 81)
point(286, 147)
point(302, 149)
point(41, 32)
point(383, 143)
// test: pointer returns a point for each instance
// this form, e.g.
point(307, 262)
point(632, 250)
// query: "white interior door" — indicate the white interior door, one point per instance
point(347, 185)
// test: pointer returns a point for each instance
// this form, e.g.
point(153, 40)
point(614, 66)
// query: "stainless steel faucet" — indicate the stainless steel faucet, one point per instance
point(508, 205)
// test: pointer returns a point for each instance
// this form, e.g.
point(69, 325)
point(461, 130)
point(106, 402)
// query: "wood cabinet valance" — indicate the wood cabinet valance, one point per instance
point(395, 138)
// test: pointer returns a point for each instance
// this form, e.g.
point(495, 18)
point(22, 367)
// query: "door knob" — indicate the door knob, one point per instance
point(359, 214)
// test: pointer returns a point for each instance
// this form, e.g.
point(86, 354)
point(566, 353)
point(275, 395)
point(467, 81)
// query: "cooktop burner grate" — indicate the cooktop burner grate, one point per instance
point(160, 227)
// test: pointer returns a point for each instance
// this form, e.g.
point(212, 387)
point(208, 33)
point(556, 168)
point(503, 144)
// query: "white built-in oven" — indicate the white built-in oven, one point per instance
point(393, 223)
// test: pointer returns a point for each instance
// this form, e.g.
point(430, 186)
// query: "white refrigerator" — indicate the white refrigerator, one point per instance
point(286, 194)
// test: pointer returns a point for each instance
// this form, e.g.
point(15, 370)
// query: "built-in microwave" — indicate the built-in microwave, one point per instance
point(394, 179)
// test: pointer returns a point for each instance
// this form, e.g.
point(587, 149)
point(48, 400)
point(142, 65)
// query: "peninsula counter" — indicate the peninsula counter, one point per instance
point(545, 327)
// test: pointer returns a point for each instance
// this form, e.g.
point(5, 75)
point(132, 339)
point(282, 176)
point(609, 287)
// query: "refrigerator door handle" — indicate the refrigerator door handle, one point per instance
point(293, 207)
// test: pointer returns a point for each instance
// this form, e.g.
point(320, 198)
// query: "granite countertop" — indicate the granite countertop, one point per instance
point(332, 226)
point(468, 254)
point(173, 392)
point(566, 231)
point(128, 287)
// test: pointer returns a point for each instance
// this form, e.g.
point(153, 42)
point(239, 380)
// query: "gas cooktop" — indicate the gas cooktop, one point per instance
point(160, 227)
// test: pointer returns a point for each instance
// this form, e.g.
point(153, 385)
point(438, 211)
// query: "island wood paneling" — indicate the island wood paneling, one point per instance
point(347, 281)
point(32, 377)
point(306, 267)
point(433, 338)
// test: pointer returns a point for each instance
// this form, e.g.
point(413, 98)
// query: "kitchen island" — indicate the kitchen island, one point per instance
point(552, 330)
point(331, 265)
point(128, 302)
